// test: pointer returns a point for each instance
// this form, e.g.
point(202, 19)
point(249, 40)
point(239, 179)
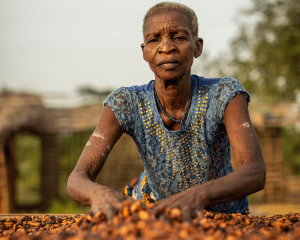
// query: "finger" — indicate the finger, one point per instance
point(127, 198)
point(117, 203)
point(200, 214)
point(110, 212)
point(186, 214)
point(95, 209)
point(176, 201)
point(162, 217)
point(98, 217)
point(84, 224)
point(158, 210)
point(134, 182)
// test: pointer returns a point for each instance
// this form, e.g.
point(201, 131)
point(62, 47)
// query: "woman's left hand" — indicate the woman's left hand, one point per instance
point(191, 202)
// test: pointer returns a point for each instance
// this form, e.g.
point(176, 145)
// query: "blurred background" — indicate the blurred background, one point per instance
point(59, 60)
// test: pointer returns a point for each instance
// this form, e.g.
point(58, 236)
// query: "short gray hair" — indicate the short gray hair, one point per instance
point(165, 6)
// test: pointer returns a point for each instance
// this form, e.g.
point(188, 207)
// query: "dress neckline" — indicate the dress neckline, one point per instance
point(189, 115)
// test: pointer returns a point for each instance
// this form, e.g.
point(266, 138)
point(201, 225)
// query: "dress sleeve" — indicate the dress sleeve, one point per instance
point(123, 105)
point(226, 90)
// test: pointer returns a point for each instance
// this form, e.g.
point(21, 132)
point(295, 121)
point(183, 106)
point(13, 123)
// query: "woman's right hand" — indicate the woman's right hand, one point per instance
point(81, 182)
point(107, 200)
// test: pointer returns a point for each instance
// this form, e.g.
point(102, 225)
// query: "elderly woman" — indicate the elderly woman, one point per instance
point(183, 126)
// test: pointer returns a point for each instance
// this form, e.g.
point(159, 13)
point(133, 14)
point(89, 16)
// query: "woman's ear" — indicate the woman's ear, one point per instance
point(199, 47)
point(143, 49)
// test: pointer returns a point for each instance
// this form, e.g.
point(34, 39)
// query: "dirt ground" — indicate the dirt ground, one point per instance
point(292, 204)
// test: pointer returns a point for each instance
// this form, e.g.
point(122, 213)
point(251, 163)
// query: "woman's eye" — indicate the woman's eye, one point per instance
point(153, 40)
point(179, 37)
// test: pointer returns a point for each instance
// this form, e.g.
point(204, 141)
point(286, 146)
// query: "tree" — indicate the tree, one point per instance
point(265, 57)
point(92, 95)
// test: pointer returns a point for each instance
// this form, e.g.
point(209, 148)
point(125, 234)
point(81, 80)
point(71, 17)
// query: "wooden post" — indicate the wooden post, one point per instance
point(10, 162)
point(4, 195)
point(268, 158)
point(50, 169)
point(272, 153)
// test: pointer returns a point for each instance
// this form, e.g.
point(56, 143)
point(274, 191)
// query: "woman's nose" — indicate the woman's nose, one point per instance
point(166, 46)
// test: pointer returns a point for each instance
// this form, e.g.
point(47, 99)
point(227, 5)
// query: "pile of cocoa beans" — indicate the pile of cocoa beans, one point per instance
point(135, 221)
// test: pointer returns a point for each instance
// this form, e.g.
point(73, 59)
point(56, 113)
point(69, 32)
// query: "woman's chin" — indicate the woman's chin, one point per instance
point(170, 76)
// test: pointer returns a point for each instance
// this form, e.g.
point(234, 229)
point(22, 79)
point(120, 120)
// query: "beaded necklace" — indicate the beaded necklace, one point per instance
point(183, 126)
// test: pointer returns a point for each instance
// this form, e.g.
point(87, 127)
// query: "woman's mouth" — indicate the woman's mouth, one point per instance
point(169, 65)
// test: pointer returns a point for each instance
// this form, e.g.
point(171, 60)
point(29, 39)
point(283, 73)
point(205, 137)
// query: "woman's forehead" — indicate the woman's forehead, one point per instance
point(173, 19)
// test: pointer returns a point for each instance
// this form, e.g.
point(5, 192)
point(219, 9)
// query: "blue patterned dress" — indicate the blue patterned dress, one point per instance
point(176, 160)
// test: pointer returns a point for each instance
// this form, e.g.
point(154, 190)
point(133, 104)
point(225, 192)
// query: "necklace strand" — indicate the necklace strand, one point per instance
point(182, 127)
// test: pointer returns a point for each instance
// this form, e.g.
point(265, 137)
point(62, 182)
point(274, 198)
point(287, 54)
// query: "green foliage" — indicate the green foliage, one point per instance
point(122, 165)
point(70, 148)
point(265, 57)
point(28, 165)
point(28, 168)
point(291, 149)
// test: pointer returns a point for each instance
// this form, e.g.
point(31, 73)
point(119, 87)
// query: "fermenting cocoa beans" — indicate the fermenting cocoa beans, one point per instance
point(135, 221)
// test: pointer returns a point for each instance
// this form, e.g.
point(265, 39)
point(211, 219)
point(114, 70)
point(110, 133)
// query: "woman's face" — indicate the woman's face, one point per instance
point(169, 46)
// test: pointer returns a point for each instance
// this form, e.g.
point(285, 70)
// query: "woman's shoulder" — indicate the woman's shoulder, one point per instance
point(219, 92)
point(220, 86)
point(228, 87)
point(125, 102)
point(199, 82)
point(128, 94)
point(141, 88)
point(213, 82)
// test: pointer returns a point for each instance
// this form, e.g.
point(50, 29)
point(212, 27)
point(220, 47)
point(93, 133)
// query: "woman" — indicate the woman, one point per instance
point(183, 126)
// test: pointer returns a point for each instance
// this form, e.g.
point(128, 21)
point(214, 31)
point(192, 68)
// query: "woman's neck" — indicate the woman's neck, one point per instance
point(173, 94)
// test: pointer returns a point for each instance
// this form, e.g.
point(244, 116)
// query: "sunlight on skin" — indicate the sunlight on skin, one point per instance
point(98, 135)
point(245, 124)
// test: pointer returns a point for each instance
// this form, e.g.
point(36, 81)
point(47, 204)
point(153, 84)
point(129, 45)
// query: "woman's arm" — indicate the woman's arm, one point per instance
point(248, 178)
point(250, 175)
point(81, 184)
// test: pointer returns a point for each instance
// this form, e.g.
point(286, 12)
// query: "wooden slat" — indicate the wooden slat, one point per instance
point(15, 215)
point(4, 196)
